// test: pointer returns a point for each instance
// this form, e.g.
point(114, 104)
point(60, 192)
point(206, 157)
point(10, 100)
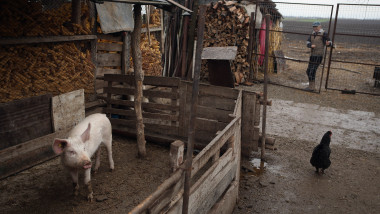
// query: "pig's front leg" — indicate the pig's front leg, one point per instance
point(74, 177)
point(87, 182)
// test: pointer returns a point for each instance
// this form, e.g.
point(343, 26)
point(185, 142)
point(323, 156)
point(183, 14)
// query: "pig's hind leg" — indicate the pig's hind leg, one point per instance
point(108, 143)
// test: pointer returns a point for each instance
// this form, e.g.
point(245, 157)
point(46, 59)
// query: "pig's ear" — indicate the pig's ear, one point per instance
point(59, 145)
point(86, 134)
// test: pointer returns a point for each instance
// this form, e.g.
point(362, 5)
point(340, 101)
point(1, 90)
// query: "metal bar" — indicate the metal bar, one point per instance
point(357, 63)
point(357, 92)
point(193, 110)
point(300, 3)
point(360, 4)
point(324, 52)
point(289, 32)
point(331, 49)
point(358, 35)
point(287, 58)
point(263, 132)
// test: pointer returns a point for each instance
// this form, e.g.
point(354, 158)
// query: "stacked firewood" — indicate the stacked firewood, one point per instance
point(227, 24)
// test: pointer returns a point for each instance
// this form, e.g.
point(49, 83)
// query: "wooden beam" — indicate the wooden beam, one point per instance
point(23, 156)
point(75, 11)
point(46, 39)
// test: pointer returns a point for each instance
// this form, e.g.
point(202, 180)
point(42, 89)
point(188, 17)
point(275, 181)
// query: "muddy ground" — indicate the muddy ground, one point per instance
point(287, 185)
point(47, 188)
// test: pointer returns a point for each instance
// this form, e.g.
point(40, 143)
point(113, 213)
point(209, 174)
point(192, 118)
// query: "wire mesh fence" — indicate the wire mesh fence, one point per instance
point(290, 57)
point(32, 62)
point(356, 55)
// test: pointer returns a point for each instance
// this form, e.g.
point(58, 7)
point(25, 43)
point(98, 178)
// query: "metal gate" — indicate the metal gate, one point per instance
point(354, 65)
point(288, 51)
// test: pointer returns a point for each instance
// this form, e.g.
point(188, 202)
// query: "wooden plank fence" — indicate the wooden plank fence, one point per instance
point(222, 115)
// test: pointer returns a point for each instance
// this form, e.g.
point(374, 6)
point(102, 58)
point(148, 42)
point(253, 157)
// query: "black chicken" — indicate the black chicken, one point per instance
point(320, 158)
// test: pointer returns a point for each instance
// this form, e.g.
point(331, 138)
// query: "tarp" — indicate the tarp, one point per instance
point(115, 17)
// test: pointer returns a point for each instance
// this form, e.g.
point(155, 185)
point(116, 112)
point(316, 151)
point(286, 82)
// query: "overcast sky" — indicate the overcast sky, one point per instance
point(345, 11)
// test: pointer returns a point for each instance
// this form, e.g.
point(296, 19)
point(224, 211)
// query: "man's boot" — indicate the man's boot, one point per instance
point(309, 88)
point(312, 86)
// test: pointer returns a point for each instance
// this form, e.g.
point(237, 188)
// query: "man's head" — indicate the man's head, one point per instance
point(317, 26)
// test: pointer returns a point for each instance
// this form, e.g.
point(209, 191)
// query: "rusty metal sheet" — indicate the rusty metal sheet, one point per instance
point(220, 53)
point(115, 17)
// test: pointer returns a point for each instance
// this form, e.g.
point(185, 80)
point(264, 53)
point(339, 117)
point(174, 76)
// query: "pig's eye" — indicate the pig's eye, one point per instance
point(72, 152)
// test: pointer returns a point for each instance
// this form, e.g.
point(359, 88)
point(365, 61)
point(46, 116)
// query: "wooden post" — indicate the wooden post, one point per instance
point(162, 32)
point(147, 8)
point(125, 53)
point(139, 77)
point(252, 26)
point(186, 17)
point(94, 42)
point(75, 11)
point(267, 20)
point(190, 42)
point(193, 111)
point(248, 142)
point(176, 154)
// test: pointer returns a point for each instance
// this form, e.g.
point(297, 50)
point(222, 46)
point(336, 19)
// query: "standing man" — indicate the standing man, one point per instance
point(317, 41)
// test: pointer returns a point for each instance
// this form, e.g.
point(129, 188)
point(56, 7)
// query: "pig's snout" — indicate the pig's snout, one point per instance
point(87, 164)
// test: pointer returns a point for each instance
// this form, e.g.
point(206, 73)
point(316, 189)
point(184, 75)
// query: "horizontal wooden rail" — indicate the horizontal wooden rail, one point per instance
point(209, 151)
point(132, 114)
point(143, 206)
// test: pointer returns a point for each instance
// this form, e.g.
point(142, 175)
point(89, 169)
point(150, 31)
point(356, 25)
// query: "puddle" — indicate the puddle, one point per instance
point(258, 166)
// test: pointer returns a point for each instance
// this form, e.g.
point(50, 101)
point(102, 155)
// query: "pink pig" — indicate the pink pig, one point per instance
point(83, 141)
